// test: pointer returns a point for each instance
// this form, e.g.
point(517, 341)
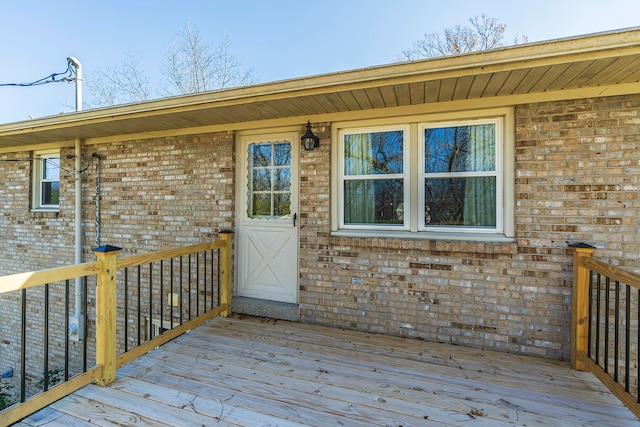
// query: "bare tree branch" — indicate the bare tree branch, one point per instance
point(193, 66)
point(483, 33)
point(119, 85)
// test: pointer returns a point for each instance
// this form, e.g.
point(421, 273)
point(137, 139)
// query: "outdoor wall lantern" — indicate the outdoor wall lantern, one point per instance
point(309, 140)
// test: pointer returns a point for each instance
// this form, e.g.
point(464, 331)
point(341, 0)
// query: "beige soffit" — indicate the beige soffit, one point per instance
point(592, 65)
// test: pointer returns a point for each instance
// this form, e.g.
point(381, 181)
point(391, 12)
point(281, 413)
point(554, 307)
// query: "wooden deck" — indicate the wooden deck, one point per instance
point(251, 372)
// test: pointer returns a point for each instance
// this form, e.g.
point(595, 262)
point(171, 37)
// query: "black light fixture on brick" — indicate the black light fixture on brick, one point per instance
point(309, 140)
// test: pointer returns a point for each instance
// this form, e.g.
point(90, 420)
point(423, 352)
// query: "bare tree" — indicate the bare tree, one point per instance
point(122, 84)
point(193, 66)
point(483, 33)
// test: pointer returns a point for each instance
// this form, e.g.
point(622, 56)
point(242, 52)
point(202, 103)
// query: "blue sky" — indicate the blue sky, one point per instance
point(279, 39)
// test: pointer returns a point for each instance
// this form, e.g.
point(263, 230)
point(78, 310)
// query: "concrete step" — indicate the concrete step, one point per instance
point(265, 308)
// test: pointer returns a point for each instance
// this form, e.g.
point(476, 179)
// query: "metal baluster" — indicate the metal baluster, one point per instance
point(197, 284)
point(150, 300)
point(45, 381)
point(598, 309)
point(181, 290)
point(616, 336)
point(189, 272)
point(204, 274)
point(23, 347)
point(85, 344)
point(66, 328)
point(606, 324)
point(139, 307)
point(160, 328)
point(627, 335)
point(126, 309)
point(590, 312)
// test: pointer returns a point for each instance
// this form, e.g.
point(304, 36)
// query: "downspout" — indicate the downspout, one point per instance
point(76, 322)
point(78, 226)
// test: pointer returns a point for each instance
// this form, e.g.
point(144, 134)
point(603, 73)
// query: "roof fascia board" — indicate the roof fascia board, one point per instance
point(440, 107)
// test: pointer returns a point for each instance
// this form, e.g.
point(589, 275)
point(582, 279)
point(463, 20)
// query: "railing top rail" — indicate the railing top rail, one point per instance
point(29, 279)
point(14, 282)
point(134, 260)
point(612, 272)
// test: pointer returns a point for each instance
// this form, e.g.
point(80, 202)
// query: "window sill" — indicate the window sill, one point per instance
point(428, 241)
point(43, 210)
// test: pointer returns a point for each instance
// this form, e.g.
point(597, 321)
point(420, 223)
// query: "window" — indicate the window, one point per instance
point(374, 177)
point(46, 180)
point(432, 179)
point(460, 180)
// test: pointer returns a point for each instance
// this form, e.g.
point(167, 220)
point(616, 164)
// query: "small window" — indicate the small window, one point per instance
point(46, 180)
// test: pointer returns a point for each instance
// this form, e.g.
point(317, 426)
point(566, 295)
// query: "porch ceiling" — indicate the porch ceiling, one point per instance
point(560, 69)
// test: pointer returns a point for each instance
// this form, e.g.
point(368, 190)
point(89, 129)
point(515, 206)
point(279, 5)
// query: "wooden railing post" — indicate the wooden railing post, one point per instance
point(226, 271)
point(106, 314)
point(580, 305)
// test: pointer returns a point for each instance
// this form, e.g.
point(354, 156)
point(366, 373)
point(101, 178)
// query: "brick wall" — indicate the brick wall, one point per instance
point(162, 193)
point(577, 173)
point(577, 178)
point(154, 194)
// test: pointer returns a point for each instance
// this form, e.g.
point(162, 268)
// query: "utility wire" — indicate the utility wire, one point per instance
point(67, 76)
point(54, 163)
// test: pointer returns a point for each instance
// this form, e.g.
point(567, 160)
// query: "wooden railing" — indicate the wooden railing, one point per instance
point(605, 336)
point(111, 342)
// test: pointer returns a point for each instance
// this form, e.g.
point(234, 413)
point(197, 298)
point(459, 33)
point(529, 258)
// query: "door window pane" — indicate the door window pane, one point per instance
point(261, 205)
point(282, 155)
point(260, 155)
point(282, 179)
point(261, 179)
point(282, 204)
point(269, 184)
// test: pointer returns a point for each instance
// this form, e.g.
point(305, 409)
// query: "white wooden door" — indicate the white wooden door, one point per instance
point(267, 255)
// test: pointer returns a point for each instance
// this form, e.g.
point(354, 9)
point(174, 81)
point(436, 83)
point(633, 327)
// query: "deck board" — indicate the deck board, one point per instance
point(454, 393)
point(243, 371)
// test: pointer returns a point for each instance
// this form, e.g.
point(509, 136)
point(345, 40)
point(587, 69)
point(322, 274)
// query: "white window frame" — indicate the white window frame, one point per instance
point(404, 175)
point(414, 181)
point(38, 179)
